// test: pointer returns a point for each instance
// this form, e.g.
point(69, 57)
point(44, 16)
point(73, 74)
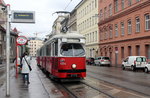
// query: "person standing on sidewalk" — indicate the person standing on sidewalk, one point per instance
point(25, 67)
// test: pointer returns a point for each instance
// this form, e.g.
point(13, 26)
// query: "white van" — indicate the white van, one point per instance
point(134, 62)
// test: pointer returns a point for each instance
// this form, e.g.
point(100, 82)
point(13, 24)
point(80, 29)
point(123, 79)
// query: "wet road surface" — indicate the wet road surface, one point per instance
point(137, 82)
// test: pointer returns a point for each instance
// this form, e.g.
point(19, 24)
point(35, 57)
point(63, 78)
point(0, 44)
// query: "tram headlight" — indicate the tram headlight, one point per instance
point(74, 66)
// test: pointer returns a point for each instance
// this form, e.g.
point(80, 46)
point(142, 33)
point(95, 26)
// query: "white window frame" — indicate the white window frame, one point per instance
point(122, 4)
point(137, 24)
point(101, 14)
point(105, 12)
point(122, 28)
point(116, 29)
point(147, 22)
point(129, 2)
point(116, 5)
point(129, 26)
point(110, 33)
point(110, 10)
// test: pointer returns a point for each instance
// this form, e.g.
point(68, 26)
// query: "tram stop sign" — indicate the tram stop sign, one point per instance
point(21, 40)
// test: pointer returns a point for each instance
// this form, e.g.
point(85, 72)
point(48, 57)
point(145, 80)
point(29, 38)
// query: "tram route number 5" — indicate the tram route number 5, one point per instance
point(21, 40)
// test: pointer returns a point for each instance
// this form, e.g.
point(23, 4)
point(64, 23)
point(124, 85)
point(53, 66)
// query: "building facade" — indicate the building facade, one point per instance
point(124, 28)
point(34, 45)
point(87, 25)
point(72, 23)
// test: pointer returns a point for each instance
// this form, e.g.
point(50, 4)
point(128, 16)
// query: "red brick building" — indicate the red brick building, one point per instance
point(124, 29)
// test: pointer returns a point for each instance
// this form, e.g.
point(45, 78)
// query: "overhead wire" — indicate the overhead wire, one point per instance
point(67, 5)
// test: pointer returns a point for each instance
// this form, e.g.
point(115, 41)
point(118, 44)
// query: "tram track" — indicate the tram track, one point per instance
point(80, 89)
point(118, 85)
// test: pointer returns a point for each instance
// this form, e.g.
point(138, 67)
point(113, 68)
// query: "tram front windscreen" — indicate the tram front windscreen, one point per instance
point(72, 50)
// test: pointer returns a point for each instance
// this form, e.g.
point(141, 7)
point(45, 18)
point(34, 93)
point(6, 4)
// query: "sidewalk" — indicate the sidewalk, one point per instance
point(36, 89)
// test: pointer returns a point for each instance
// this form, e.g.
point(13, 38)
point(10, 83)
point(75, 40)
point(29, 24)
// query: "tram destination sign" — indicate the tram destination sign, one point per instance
point(23, 17)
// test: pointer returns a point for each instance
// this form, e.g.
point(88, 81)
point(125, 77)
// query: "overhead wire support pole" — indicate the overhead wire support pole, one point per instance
point(8, 51)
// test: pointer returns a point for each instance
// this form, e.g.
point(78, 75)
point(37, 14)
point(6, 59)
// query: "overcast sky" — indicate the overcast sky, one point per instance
point(43, 14)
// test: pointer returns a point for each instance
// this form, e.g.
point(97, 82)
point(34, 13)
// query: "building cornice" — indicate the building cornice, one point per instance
point(131, 39)
point(93, 44)
point(124, 13)
point(80, 3)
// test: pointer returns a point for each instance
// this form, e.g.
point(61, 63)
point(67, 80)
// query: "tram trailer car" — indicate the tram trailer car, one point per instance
point(63, 56)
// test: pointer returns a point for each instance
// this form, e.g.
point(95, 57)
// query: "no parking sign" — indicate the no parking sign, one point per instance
point(22, 40)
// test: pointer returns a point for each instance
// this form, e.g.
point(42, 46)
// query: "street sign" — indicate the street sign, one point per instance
point(23, 17)
point(21, 40)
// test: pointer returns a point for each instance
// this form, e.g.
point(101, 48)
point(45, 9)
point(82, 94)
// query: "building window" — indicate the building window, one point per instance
point(116, 5)
point(105, 12)
point(92, 5)
point(122, 52)
point(138, 24)
point(100, 35)
point(96, 36)
point(129, 51)
point(90, 21)
point(137, 50)
point(101, 14)
point(95, 3)
point(105, 33)
point(122, 4)
point(147, 22)
point(110, 9)
point(147, 47)
point(116, 29)
point(122, 28)
point(129, 27)
point(110, 33)
point(129, 2)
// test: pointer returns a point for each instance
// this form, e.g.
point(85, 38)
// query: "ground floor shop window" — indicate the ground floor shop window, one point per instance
point(137, 50)
point(129, 51)
point(122, 52)
point(147, 47)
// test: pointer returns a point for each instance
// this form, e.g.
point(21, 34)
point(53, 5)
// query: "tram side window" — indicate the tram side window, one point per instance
point(56, 48)
point(48, 50)
point(40, 52)
point(53, 49)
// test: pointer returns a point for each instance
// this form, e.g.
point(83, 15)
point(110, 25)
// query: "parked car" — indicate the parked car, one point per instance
point(102, 60)
point(90, 60)
point(147, 67)
point(134, 62)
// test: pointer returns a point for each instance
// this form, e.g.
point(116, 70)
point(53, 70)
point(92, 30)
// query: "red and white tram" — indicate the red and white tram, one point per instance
point(63, 56)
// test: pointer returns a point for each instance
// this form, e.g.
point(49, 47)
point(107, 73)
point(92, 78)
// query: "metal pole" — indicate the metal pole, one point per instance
point(16, 60)
point(8, 52)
